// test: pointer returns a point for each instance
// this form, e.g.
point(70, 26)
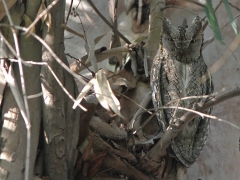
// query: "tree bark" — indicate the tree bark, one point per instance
point(60, 121)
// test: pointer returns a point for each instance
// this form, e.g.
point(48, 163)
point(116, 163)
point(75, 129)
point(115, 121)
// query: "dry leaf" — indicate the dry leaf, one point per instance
point(99, 94)
point(105, 95)
point(137, 40)
point(97, 39)
point(84, 91)
point(121, 85)
point(133, 62)
point(27, 23)
point(47, 17)
point(90, 48)
point(72, 31)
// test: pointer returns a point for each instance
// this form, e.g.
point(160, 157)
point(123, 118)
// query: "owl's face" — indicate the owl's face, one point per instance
point(183, 43)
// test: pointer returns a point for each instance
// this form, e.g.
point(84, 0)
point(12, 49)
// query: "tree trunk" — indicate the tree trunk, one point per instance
point(60, 121)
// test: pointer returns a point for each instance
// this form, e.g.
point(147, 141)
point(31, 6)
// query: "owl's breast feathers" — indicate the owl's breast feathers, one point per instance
point(174, 78)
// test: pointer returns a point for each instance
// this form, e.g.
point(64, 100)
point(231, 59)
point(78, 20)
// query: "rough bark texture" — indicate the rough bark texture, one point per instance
point(59, 120)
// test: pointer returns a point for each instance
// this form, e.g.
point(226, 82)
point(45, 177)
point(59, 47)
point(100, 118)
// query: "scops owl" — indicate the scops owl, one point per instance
point(179, 71)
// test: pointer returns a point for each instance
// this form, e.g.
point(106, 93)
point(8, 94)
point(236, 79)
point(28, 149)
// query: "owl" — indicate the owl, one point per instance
point(179, 71)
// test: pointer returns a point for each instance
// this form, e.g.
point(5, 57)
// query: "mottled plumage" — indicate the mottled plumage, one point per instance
point(179, 71)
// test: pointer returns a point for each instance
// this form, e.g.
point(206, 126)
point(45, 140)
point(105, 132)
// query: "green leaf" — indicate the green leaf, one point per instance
point(230, 16)
point(213, 21)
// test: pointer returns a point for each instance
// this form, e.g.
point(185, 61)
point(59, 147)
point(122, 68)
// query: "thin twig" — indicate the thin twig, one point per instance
point(159, 150)
point(232, 51)
point(80, 61)
point(41, 15)
point(134, 102)
point(72, 31)
point(64, 89)
point(175, 112)
point(145, 123)
point(108, 23)
point(237, 8)
point(28, 63)
point(69, 11)
point(11, 80)
point(12, 50)
point(230, 21)
point(26, 108)
point(100, 56)
point(54, 75)
point(35, 95)
point(140, 111)
point(188, 110)
point(49, 49)
point(216, 8)
point(84, 32)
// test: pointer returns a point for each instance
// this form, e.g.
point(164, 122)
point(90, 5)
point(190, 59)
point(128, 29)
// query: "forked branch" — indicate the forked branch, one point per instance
point(153, 157)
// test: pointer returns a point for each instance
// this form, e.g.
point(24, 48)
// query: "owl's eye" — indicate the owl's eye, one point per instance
point(193, 40)
point(170, 39)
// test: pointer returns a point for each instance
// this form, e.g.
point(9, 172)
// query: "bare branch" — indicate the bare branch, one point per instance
point(54, 75)
point(10, 3)
point(72, 31)
point(26, 108)
point(100, 56)
point(153, 157)
point(49, 49)
point(69, 11)
point(41, 15)
point(64, 89)
point(108, 23)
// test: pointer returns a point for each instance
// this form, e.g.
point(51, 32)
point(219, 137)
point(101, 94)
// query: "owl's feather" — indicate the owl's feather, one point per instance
point(179, 71)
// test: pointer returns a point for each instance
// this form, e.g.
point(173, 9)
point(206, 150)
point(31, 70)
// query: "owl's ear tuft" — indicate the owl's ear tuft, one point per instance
point(166, 22)
point(195, 28)
point(168, 28)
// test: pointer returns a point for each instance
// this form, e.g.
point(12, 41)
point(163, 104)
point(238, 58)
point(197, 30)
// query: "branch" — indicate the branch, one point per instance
point(107, 22)
point(69, 11)
point(151, 160)
point(49, 49)
point(100, 56)
point(29, 63)
point(25, 112)
point(41, 15)
point(10, 3)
